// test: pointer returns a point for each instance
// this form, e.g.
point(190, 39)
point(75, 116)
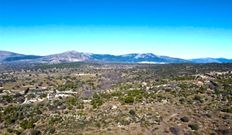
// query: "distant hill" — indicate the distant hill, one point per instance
point(70, 56)
point(12, 57)
point(4, 55)
point(74, 56)
point(136, 58)
point(211, 60)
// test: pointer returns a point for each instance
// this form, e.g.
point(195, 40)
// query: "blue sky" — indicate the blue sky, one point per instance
point(178, 28)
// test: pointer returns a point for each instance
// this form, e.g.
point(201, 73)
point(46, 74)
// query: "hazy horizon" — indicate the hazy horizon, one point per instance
point(176, 28)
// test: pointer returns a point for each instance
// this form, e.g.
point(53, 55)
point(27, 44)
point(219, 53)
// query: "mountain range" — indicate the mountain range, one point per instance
point(74, 56)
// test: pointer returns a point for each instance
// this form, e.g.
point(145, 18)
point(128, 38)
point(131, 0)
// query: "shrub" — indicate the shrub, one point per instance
point(128, 99)
point(228, 110)
point(194, 126)
point(69, 85)
point(35, 132)
point(53, 120)
point(184, 119)
point(50, 130)
point(175, 130)
point(135, 93)
point(96, 101)
point(10, 114)
point(7, 98)
point(74, 101)
point(132, 112)
point(27, 124)
point(134, 96)
point(198, 98)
